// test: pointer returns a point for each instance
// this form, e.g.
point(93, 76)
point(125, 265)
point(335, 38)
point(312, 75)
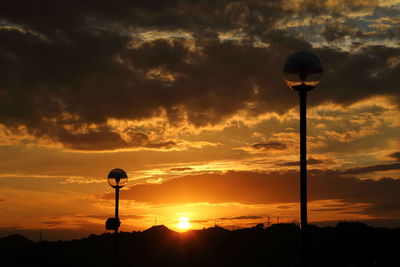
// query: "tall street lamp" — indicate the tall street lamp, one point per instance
point(303, 70)
point(117, 178)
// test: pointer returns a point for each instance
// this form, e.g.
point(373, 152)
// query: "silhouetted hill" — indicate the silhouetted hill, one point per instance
point(347, 244)
point(159, 231)
point(14, 241)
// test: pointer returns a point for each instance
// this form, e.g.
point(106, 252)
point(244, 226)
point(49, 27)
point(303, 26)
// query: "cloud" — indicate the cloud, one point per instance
point(208, 188)
point(395, 155)
point(387, 208)
point(54, 223)
point(62, 86)
point(373, 168)
point(268, 188)
point(381, 24)
point(344, 209)
point(166, 145)
point(104, 138)
point(283, 207)
point(333, 32)
point(310, 161)
point(104, 217)
point(370, 63)
point(270, 145)
point(244, 217)
point(181, 169)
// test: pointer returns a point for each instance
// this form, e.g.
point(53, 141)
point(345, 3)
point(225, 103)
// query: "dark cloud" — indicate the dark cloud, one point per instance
point(341, 209)
point(335, 205)
point(94, 140)
point(283, 207)
point(105, 139)
point(337, 31)
point(54, 223)
point(395, 155)
point(208, 188)
point(104, 217)
point(181, 169)
point(335, 8)
point(387, 208)
point(69, 66)
point(310, 161)
point(269, 188)
point(270, 145)
point(373, 168)
point(166, 145)
point(350, 77)
point(240, 218)
point(370, 29)
point(243, 217)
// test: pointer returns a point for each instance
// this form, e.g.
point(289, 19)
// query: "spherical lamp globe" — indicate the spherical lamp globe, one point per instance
point(302, 70)
point(117, 178)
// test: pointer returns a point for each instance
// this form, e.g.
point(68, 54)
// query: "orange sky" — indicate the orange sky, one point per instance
point(188, 99)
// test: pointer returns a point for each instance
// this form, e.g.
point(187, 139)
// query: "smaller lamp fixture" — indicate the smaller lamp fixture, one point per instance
point(113, 224)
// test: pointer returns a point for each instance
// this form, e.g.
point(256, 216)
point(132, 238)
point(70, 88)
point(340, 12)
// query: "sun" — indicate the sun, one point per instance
point(184, 223)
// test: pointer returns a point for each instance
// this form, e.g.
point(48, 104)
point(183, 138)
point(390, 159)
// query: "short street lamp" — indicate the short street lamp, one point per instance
point(302, 72)
point(117, 179)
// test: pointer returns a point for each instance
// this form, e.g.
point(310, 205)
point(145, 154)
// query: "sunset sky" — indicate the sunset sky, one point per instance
point(187, 97)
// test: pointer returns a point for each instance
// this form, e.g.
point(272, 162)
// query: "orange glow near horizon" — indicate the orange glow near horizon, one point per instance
point(184, 223)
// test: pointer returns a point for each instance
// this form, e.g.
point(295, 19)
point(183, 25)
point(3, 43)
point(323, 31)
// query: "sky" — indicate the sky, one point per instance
point(188, 98)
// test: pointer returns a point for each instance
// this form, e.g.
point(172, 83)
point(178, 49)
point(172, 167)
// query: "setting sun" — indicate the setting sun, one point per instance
point(184, 223)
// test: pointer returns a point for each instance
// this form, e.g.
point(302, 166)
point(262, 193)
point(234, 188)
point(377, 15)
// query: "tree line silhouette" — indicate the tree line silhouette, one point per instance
point(346, 244)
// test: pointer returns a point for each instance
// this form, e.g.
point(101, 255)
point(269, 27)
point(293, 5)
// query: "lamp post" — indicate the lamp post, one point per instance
point(303, 70)
point(117, 178)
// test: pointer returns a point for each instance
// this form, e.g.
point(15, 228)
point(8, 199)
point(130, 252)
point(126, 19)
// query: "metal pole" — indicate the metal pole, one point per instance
point(303, 174)
point(116, 229)
point(116, 205)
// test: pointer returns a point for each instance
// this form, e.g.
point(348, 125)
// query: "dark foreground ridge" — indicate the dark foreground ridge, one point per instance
point(347, 244)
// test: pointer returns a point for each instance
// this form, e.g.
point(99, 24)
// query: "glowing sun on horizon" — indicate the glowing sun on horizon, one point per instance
point(184, 223)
